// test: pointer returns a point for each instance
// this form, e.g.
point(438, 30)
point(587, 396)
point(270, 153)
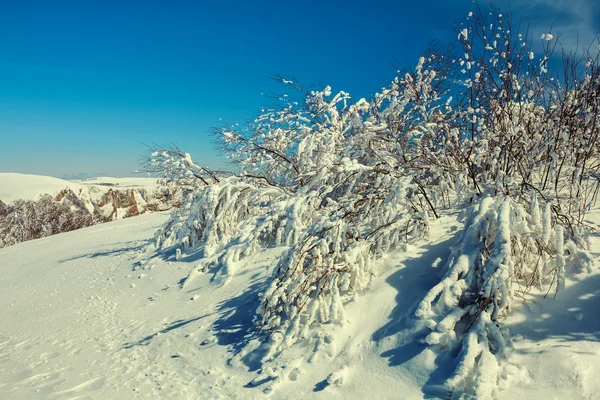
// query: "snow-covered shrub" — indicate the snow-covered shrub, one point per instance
point(335, 260)
point(277, 155)
point(377, 196)
point(505, 250)
point(340, 183)
point(177, 169)
point(524, 143)
point(214, 216)
point(289, 145)
point(523, 127)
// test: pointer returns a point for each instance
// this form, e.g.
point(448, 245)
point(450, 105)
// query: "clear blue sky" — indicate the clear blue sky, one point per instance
point(84, 83)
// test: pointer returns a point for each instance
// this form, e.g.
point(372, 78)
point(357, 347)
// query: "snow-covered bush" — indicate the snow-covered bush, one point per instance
point(527, 140)
point(335, 260)
point(290, 144)
point(505, 250)
point(482, 124)
point(523, 127)
point(323, 176)
point(269, 201)
point(224, 219)
point(377, 197)
point(176, 168)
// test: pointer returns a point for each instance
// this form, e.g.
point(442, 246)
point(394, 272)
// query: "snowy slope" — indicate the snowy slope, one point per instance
point(29, 187)
point(120, 183)
point(89, 314)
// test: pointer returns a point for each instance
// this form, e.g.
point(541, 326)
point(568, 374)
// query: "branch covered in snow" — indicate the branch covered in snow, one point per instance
point(481, 125)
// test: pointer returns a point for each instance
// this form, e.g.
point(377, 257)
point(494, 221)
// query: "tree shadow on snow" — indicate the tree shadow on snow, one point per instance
point(170, 254)
point(412, 282)
point(235, 327)
point(180, 323)
point(571, 316)
point(320, 386)
point(115, 250)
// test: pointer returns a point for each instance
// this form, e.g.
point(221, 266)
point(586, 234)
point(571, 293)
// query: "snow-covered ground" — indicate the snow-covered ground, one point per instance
point(15, 186)
point(120, 183)
point(91, 314)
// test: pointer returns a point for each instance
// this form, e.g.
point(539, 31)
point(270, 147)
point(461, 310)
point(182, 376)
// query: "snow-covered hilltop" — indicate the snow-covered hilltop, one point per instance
point(32, 200)
point(15, 186)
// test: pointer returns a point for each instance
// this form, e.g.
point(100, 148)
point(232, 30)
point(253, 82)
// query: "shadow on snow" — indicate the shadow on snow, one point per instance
point(235, 325)
point(571, 316)
point(172, 326)
point(415, 279)
point(123, 248)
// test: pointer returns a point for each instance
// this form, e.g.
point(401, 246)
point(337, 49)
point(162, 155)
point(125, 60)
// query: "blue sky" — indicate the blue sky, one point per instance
point(84, 83)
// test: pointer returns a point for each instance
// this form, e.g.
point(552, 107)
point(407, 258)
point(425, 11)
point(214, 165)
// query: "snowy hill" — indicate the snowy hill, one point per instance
point(92, 314)
point(15, 186)
point(29, 187)
point(123, 183)
point(33, 206)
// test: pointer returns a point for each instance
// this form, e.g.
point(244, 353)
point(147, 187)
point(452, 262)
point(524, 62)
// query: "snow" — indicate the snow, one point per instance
point(15, 186)
point(120, 183)
point(285, 280)
point(557, 344)
point(80, 322)
point(95, 314)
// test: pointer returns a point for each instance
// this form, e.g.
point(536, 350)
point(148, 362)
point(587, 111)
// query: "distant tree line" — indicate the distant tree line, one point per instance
point(24, 220)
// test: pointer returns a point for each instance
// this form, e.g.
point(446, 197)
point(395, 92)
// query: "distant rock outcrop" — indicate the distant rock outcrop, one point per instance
point(78, 206)
point(114, 203)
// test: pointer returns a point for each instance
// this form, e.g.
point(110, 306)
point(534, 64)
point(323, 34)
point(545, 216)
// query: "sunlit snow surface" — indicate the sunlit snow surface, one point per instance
point(90, 314)
point(29, 187)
